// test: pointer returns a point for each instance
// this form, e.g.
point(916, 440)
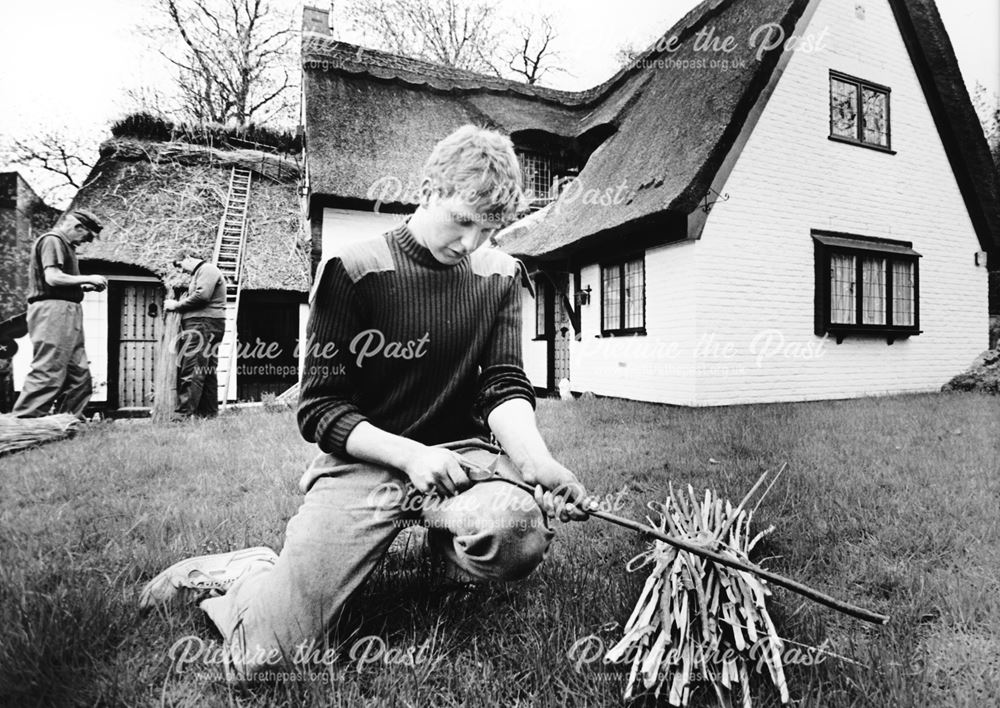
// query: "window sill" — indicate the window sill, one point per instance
point(633, 332)
point(890, 334)
point(849, 141)
point(542, 338)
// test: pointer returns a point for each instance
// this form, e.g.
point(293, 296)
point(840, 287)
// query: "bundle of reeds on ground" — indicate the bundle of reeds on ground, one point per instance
point(20, 433)
point(165, 374)
point(697, 620)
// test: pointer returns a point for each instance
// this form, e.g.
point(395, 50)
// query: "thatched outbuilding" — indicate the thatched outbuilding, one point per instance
point(157, 197)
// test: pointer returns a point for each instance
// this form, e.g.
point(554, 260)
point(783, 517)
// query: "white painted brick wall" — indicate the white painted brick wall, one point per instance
point(95, 333)
point(658, 366)
point(340, 225)
point(533, 352)
point(755, 259)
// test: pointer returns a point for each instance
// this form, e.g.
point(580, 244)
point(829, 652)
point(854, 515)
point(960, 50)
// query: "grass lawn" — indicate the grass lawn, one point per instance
point(890, 503)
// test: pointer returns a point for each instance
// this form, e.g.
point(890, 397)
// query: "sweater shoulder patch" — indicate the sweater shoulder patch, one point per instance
point(361, 258)
point(492, 261)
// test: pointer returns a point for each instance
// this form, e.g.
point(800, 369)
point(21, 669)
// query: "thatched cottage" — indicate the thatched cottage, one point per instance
point(803, 211)
point(155, 197)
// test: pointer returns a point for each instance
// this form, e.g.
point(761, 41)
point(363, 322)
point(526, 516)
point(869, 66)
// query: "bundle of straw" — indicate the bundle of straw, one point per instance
point(698, 620)
point(165, 373)
point(19, 433)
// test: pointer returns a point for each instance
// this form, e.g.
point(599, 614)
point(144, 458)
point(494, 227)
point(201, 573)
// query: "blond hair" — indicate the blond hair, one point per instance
point(481, 167)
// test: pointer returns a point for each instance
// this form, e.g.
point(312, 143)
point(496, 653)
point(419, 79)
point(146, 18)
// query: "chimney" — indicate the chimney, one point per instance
point(318, 20)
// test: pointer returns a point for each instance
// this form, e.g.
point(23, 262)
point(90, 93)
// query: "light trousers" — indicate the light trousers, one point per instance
point(59, 380)
point(351, 513)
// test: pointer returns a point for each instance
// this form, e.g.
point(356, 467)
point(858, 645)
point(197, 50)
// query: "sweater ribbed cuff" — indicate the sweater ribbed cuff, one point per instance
point(334, 429)
point(502, 383)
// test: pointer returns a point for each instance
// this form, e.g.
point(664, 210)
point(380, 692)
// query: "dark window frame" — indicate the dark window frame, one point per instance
point(536, 165)
point(829, 243)
point(620, 263)
point(543, 300)
point(859, 85)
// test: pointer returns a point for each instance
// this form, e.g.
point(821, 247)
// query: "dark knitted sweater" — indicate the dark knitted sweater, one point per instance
point(416, 347)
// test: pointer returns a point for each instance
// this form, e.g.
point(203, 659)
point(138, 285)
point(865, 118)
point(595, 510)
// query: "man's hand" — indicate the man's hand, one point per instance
point(557, 490)
point(169, 305)
point(96, 282)
point(434, 469)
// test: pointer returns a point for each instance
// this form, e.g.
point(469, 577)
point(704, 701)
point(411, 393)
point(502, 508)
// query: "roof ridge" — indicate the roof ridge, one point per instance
point(318, 47)
point(422, 72)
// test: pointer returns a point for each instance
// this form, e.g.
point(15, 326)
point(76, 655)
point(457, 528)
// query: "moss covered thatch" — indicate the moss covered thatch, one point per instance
point(146, 126)
point(156, 197)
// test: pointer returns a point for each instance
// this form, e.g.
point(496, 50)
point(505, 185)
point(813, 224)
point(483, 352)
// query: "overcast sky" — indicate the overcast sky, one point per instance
point(66, 63)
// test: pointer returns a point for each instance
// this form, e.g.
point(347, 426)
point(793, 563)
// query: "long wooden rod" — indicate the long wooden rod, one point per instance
point(700, 550)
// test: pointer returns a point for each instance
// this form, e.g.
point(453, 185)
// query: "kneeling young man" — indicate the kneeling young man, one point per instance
point(414, 358)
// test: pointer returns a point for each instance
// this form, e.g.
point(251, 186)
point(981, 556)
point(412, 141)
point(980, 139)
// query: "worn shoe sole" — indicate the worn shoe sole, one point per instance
point(217, 571)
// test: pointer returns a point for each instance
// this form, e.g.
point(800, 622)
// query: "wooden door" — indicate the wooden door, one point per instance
point(562, 332)
point(140, 321)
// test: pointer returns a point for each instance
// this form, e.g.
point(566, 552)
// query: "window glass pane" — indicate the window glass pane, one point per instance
point(634, 294)
point(874, 117)
point(842, 275)
point(873, 297)
point(844, 108)
point(538, 171)
point(902, 293)
point(611, 294)
point(540, 309)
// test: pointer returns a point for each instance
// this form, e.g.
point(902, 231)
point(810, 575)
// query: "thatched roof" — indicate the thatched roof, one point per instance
point(937, 68)
point(373, 116)
point(156, 197)
point(672, 141)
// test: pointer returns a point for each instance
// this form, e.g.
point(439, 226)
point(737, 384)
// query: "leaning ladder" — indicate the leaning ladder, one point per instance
point(228, 258)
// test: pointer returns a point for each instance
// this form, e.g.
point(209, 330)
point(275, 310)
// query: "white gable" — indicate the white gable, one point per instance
point(755, 260)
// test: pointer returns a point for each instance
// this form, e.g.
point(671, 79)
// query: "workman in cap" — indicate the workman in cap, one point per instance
point(59, 380)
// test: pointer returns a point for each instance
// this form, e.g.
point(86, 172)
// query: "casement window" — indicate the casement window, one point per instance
point(623, 297)
point(859, 112)
point(866, 286)
point(542, 304)
point(539, 171)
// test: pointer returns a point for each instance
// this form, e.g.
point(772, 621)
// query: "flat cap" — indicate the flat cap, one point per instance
point(88, 220)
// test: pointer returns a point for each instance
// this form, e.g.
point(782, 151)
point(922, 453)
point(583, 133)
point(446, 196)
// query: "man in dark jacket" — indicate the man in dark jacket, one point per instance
point(59, 380)
point(203, 322)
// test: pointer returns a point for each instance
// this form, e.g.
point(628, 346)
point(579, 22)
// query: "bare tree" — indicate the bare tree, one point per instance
point(530, 55)
point(66, 159)
point(233, 59)
point(628, 54)
point(465, 34)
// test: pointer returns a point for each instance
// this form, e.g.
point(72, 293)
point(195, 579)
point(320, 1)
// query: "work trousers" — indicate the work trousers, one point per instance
point(352, 512)
point(197, 361)
point(59, 380)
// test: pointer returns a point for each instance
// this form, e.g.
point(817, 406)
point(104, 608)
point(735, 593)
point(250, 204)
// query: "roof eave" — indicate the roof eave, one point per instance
point(985, 216)
point(657, 229)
